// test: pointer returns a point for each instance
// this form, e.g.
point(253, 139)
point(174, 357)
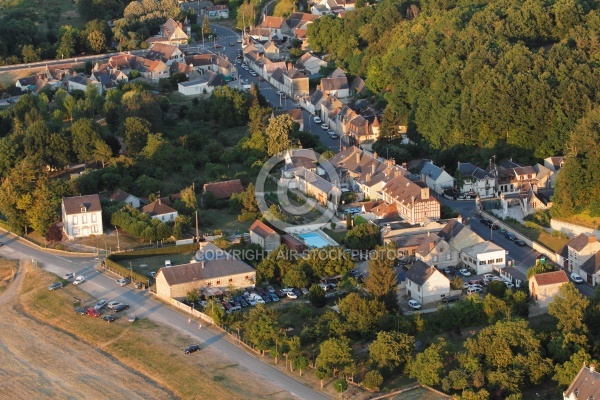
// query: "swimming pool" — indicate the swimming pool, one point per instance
point(316, 239)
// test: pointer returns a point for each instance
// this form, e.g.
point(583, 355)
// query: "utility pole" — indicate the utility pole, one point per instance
point(197, 237)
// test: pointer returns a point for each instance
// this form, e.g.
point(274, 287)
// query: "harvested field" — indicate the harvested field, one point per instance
point(48, 351)
point(39, 361)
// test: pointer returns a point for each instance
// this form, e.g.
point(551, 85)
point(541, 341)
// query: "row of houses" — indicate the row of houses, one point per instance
point(161, 61)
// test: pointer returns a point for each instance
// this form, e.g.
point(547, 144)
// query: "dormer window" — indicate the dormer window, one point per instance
point(83, 208)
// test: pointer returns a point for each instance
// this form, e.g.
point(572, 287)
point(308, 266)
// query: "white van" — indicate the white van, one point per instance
point(168, 263)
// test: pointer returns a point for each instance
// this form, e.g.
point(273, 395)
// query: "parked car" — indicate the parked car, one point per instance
point(231, 43)
point(123, 281)
point(267, 298)
point(239, 40)
point(109, 318)
point(317, 120)
point(218, 46)
point(132, 318)
point(519, 242)
point(576, 278)
point(280, 293)
point(113, 304)
point(68, 275)
point(449, 299)
point(332, 134)
point(472, 290)
point(10, 101)
point(92, 312)
point(80, 310)
point(152, 274)
point(252, 301)
point(509, 285)
point(55, 285)
point(297, 292)
point(510, 236)
point(121, 307)
point(291, 295)
point(324, 126)
point(415, 305)
point(274, 297)
point(80, 279)
point(489, 277)
point(243, 303)
point(191, 349)
point(168, 263)
point(100, 304)
point(447, 271)
point(304, 290)
point(465, 272)
point(270, 289)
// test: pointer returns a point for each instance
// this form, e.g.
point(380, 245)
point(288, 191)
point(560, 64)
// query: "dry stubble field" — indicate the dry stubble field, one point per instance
point(48, 351)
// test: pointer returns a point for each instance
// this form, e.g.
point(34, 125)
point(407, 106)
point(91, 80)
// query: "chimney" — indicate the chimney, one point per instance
point(431, 245)
point(159, 202)
point(373, 166)
point(375, 154)
point(357, 157)
point(592, 239)
point(592, 368)
point(404, 165)
point(368, 177)
point(425, 193)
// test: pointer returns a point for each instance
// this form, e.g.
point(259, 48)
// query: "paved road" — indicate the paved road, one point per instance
point(144, 305)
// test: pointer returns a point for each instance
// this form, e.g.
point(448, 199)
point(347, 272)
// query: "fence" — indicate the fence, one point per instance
point(192, 311)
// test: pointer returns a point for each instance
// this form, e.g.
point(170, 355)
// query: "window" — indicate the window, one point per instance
point(435, 258)
point(84, 219)
point(443, 295)
point(94, 217)
point(448, 256)
point(230, 280)
point(418, 288)
point(94, 229)
point(490, 261)
point(218, 281)
point(499, 260)
point(75, 220)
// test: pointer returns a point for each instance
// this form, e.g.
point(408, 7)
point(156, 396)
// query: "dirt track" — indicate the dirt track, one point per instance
point(38, 361)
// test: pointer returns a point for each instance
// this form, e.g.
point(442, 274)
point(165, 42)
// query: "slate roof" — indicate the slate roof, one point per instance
point(410, 240)
point(403, 190)
point(120, 195)
point(261, 229)
point(431, 170)
point(316, 97)
point(157, 207)
point(579, 242)
point(315, 180)
point(225, 189)
point(524, 170)
point(468, 169)
point(204, 270)
point(358, 85)
point(555, 161)
point(592, 265)
point(73, 204)
point(329, 84)
point(450, 230)
point(551, 278)
point(419, 273)
point(585, 386)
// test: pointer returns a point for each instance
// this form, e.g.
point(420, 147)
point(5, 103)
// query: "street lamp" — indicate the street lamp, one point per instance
point(118, 242)
point(492, 230)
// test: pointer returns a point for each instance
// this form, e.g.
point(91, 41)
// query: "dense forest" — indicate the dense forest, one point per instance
point(474, 73)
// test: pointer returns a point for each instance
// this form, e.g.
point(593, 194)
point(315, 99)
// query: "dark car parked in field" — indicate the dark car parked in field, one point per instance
point(191, 349)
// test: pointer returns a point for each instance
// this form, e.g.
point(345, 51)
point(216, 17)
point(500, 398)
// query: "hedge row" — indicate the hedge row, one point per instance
point(156, 251)
point(124, 271)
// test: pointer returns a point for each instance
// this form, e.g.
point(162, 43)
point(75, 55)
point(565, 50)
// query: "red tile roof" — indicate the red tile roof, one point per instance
point(224, 190)
point(261, 229)
point(551, 278)
point(157, 208)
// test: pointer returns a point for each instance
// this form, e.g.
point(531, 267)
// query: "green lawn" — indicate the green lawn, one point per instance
point(226, 222)
point(553, 243)
point(338, 236)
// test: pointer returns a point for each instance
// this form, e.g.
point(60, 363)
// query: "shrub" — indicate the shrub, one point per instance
point(533, 225)
point(560, 234)
point(373, 380)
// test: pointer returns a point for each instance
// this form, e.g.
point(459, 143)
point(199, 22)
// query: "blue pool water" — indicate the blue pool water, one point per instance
point(314, 239)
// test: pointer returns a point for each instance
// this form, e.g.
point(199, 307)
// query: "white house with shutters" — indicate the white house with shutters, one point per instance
point(82, 216)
